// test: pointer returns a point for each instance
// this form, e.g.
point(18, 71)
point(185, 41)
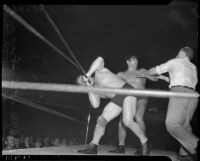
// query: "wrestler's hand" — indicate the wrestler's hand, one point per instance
point(165, 78)
point(142, 74)
point(152, 78)
point(88, 80)
point(80, 81)
point(85, 78)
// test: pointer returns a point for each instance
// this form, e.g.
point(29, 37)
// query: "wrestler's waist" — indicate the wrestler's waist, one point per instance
point(183, 87)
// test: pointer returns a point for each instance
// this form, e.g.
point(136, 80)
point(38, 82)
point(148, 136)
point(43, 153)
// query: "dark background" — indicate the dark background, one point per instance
point(154, 34)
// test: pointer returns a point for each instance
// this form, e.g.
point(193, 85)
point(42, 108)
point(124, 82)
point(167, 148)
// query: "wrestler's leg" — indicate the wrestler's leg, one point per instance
point(121, 132)
point(121, 136)
point(139, 117)
point(129, 111)
point(110, 112)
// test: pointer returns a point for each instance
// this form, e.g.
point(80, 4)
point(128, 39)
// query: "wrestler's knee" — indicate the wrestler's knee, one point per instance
point(101, 121)
point(126, 121)
point(139, 119)
point(171, 126)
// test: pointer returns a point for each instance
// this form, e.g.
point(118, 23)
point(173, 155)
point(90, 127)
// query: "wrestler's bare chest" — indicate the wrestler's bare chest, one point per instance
point(131, 78)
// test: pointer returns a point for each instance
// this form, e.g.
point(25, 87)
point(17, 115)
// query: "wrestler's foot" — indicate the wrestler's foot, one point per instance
point(91, 149)
point(119, 149)
point(139, 150)
point(83, 150)
point(192, 157)
point(146, 149)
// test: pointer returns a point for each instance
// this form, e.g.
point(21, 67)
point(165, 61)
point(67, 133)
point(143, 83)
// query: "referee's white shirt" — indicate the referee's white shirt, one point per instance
point(181, 72)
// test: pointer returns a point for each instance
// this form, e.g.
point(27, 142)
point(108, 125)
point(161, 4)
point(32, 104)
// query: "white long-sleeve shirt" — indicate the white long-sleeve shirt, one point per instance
point(181, 72)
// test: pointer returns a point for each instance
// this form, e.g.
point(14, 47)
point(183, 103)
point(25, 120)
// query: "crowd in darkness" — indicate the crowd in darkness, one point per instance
point(17, 136)
point(10, 142)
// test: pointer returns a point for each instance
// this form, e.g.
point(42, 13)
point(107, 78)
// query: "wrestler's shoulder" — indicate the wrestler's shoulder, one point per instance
point(121, 73)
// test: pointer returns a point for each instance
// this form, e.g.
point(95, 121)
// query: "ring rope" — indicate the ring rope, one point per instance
point(71, 53)
point(56, 105)
point(34, 31)
point(40, 107)
point(29, 27)
point(62, 39)
point(83, 89)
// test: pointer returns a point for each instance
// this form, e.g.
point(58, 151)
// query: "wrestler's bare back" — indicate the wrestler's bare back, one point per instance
point(105, 78)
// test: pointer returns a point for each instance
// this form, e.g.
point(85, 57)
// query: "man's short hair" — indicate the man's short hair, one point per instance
point(130, 57)
point(188, 51)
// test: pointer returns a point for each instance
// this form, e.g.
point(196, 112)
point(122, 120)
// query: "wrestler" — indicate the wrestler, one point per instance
point(126, 105)
point(130, 76)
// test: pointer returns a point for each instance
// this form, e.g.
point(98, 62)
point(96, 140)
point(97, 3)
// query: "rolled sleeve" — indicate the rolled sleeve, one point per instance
point(163, 68)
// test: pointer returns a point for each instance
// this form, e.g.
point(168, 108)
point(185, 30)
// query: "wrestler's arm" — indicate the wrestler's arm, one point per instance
point(94, 100)
point(94, 66)
point(120, 74)
point(163, 68)
point(144, 74)
point(165, 78)
point(93, 97)
point(152, 71)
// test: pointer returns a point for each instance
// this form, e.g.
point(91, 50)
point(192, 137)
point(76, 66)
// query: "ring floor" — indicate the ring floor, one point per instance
point(72, 150)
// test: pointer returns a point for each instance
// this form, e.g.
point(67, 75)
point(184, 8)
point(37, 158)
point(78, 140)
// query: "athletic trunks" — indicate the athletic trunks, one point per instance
point(119, 99)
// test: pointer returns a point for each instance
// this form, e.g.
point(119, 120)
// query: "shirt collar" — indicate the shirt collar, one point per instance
point(186, 58)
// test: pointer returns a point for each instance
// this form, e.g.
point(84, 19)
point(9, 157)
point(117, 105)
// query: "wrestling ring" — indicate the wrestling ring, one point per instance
point(69, 88)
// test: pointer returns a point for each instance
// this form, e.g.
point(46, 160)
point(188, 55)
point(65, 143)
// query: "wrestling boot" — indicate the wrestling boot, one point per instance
point(138, 150)
point(146, 148)
point(91, 149)
point(119, 149)
point(83, 150)
point(191, 157)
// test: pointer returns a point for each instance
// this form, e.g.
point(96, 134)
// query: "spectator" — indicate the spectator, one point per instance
point(31, 143)
point(9, 142)
point(16, 143)
point(56, 142)
point(26, 142)
point(38, 142)
point(3, 142)
point(46, 142)
point(63, 142)
point(75, 142)
point(21, 141)
point(51, 141)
